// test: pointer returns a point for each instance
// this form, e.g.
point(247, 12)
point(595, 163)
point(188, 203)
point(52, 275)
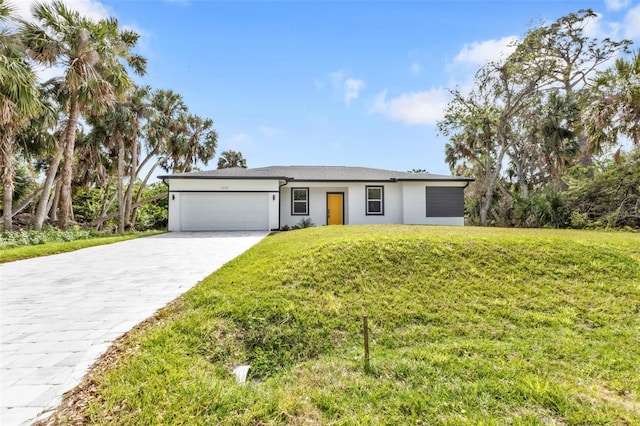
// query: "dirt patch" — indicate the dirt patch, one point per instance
point(624, 399)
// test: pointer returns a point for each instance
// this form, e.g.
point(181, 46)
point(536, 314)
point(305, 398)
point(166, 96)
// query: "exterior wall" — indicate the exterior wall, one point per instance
point(354, 203)
point(414, 203)
point(404, 202)
point(175, 219)
point(450, 221)
point(223, 185)
point(274, 206)
point(317, 202)
point(392, 200)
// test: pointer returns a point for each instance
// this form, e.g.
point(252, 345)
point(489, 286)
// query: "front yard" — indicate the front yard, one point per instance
point(467, 326)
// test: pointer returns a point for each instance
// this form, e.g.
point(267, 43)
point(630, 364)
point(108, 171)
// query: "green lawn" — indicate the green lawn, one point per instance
point(54, 247)
point(468, 326)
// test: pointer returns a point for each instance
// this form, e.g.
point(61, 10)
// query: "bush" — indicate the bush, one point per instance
point(304, 223)
point(545, 208)
point(153, 215)
point(47, 235)
point(610, 198)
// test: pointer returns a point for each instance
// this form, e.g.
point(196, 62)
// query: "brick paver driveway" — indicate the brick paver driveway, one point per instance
point(59, 313)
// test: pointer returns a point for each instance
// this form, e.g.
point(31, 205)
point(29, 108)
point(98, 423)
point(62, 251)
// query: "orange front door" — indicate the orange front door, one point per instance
point(335, 209)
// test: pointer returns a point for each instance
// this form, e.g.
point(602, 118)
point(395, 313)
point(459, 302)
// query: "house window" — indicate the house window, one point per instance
point(375, 200)
point(300, 201)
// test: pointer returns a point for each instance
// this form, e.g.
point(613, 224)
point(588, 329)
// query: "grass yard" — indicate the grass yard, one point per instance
point(46, 248)
point(467, 326)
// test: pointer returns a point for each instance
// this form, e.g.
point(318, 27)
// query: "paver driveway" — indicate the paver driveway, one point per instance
point(59, 313)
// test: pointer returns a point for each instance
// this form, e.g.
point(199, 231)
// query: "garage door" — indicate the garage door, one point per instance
point(238, 211)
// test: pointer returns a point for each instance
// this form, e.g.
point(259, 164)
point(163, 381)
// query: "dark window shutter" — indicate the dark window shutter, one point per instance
point(445, 201)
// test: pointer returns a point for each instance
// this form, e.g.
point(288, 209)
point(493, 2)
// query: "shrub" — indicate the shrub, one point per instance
point(304, 223)
point(47, 235)
point(610, 198)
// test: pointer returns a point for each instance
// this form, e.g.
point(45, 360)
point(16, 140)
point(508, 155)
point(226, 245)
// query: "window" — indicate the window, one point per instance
point(375, 200)
point(300, 201)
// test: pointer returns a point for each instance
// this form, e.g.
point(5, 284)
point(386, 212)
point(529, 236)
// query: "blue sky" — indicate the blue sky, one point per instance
point(333, 82)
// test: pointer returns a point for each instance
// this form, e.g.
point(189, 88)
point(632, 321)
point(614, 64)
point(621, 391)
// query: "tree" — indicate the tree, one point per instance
point(524, 113)
point(609, 197)
point(485, 126)
point(93, 77)
point(167, 108)
point(568, 57)
point(616, 110)
point(229, 159)
point(111, 131)
point(196, 141)
point(140, 107)
point(19, 102)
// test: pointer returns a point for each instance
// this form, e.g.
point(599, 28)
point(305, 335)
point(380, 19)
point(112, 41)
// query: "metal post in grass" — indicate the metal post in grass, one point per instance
point(365, 330)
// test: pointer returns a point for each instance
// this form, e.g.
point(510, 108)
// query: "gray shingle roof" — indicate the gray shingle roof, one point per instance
point(315, 173)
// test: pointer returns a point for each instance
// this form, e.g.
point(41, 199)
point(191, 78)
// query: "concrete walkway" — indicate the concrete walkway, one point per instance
point(59, 313)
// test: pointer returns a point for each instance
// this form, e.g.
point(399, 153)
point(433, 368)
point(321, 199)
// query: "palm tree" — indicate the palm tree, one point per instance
point(140, 107)
point(166, 108)
point(109, 135)
point(45, 137)
point(196, 142)
point(19, 102)
point(93, 77)
point(229, 159)
point(617, 106)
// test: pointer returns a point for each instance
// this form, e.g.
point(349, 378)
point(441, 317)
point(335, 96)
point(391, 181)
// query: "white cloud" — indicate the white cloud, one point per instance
point(93, 9)
point(617, 4)
point(269, 131)
point(345, 85)
point(631, 24)
point(481, 52)
point(415, 68)
point(47, 73)
point(352, 89)
point(425, 107)
point(596, 27)
point(90, 8)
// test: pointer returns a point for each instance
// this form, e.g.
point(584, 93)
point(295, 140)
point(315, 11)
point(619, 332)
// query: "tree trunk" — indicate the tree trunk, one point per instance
point(586, 159)
point(54, 205)
point(105, 197)
point(67, 167)
point(6, 167)
point(491, 185)
point(132, 175)
point(43, 205)
point(121, 206)
point(25, 203)
point(483, 214)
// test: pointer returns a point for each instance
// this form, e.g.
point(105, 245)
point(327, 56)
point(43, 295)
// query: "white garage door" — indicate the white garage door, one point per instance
point(237, 211)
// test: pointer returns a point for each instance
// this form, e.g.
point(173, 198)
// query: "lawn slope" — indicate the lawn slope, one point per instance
point(468, 326)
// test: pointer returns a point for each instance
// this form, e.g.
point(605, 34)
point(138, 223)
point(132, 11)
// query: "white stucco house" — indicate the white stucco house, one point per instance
point(269, 198)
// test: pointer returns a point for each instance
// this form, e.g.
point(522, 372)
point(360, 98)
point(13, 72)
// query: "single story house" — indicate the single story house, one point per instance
point(269, 198)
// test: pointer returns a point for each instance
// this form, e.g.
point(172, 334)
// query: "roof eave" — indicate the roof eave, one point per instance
point(225, 177)
point(434, 179)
